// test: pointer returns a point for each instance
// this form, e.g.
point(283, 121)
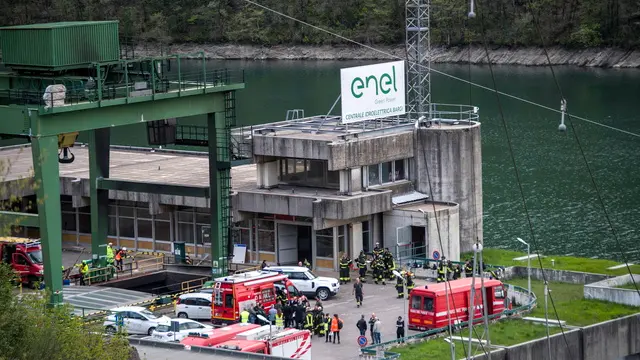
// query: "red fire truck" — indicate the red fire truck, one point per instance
point(288, 343)
point(25, 257)
point(232, 294)
point(428, 305)
point(217, 336)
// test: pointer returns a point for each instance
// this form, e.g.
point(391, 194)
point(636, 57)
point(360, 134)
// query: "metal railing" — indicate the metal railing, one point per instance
point(451, 113)
point(378, 351)
point(194, 284)
point(124, 79)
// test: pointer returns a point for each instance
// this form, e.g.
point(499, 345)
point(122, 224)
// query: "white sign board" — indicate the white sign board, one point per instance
point(372, 91)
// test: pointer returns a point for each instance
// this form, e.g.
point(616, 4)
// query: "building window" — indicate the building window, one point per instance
point(162, 230)
point(84, 219)
point(126, 227)
point(68, 216)
point(203, 226)
point(144, 223)
point(242, 233)
point(324, 243)
point(113, 226)
point(186, 225)
point(366, 233)
point(341, 241)
point(308, 173)
point(386, 173)
point(266, 236)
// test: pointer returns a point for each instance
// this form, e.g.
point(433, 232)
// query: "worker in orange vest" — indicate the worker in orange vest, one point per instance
point(336, 326)
point(119, 256)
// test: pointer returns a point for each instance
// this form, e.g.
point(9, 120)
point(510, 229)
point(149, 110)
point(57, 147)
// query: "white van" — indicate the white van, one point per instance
point(307, 282)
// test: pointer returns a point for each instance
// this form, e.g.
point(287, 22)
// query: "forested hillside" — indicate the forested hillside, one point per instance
point(569, 23)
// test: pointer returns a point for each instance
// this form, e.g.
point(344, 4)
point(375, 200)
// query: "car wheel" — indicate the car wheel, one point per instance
point(151, 330)
point(183, 315)
point(323, 293)
point(110, 330)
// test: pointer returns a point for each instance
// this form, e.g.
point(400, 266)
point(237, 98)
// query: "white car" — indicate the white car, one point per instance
point(135, 320)
point(307, 282)
point(194, 306)
point(165, 333)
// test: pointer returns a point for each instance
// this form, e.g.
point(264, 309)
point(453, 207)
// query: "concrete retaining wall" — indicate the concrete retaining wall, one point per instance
point(565, 276)
point(610, 340)
point(607, 290)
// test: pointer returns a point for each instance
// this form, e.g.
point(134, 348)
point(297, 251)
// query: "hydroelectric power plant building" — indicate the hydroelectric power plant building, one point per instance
point(316, 189)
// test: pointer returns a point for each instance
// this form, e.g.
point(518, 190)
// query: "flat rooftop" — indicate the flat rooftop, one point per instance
point(155, 167)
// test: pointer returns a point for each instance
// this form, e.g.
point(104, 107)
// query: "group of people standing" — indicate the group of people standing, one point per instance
point(375, 328)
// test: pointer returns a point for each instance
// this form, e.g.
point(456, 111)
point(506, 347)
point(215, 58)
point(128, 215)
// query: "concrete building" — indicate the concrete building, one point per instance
point(316, 189)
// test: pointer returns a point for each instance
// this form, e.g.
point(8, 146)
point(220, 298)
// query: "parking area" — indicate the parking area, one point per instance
point(378, 299)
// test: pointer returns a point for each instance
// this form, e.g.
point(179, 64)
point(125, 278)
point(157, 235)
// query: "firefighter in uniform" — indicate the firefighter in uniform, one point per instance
point(344, 269)
point(442, 277)
point(244, 316)
point(378, 270)
point(308, 322)
point(493, 274)
point(306, 264)
point(457, 272)
point(389, 266)
point(400, 286)
point(377, 250)
point(468, 269)
point(408, 275)
point(362, 266)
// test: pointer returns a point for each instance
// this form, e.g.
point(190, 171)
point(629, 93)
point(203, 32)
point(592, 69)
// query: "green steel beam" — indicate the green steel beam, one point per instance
point(47, 176)
point(99, 140)
point(125, 114)
point(218, 225)
point(9, 218)
point(153, 188)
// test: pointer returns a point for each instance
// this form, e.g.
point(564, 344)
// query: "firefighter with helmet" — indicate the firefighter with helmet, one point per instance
point(378, 270)
point(362, 266)
point(400, 285)
point(344, 269)
point(408, 276)
point(377, 250)
point(442, 275)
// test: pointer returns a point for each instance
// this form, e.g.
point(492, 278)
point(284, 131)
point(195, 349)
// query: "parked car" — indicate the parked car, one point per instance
point(194, 306)
point(307, 282)
point(165, 333)
point(135, 320)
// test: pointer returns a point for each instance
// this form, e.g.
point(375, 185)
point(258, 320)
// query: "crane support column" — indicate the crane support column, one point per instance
point(45, 163)
point(219, 175)
point(99, 140)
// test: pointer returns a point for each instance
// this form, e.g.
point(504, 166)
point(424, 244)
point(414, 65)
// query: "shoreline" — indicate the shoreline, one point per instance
point(526, 56)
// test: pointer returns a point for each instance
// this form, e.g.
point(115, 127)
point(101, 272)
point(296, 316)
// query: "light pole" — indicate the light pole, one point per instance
point(528, 265)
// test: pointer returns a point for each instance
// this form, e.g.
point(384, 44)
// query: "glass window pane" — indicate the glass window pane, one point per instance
point(112, 209)
point(374, 178)
point(68, 222)
point(113, 228)
point(365, 226)
point(242, 236)
point(199, 234)
point(325, 246)
point(341, 230)
point(315, 175)
point(164, 216)
point(143, 213)
point(163, 230)
point(85, 223)
point(333, 177)
point(126, 203)
point(203, 219)
point(85, 210)
point(126, 227)
point(266, 240)
point(185, 232)
point(145, 229)
point(185, 216)
point(387, 176)
point(67, 206)
point(125, 211)
point(400, 171)
point(341, 248)
point(265, 225)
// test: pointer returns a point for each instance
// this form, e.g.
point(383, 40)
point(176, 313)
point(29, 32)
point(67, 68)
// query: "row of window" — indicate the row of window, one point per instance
point(385, 173)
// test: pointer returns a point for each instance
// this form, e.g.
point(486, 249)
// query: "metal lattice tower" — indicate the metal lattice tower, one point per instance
point(418, 46)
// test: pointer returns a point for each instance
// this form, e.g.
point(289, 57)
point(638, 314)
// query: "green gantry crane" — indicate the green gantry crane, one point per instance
point(66, 78)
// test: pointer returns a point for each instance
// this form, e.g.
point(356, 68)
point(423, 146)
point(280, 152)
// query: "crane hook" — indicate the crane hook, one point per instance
point(563, 108)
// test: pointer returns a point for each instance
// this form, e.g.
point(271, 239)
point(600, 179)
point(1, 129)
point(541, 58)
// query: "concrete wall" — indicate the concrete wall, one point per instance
point(565, 276)
point(610, 340)
point(291, 147)
point(367, 151)
point(447, 219)
point(606, 290)
point(452, 154)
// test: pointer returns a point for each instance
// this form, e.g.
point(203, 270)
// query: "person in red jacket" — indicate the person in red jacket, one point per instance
point(336, 326)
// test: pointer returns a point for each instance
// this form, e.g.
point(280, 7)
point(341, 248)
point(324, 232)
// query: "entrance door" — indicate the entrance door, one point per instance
point(418, 241)
point(304, 244)
point(287, 244)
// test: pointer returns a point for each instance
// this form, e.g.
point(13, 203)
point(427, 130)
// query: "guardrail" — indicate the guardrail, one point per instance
point(194, 284)
point(378, 351)
point(453, 113)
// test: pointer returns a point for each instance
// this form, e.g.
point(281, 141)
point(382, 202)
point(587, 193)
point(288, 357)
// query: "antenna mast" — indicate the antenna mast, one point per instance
point(418, 47)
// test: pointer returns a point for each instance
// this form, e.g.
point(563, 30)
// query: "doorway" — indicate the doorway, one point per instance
point(294, 244)
point(304, 244)
point(418, 240)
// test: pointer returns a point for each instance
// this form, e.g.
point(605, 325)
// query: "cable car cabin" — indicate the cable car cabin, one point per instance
point(428, 304)
point(232, 294)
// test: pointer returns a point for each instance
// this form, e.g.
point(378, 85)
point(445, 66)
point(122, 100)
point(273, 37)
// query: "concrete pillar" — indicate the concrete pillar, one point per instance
point(351, 181)
point(99, 147)
point(452, 157)
point(355, 234)
point(267, 174)
point(336, 249)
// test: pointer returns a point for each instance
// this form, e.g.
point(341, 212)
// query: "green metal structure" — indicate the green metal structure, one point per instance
point(49, 96)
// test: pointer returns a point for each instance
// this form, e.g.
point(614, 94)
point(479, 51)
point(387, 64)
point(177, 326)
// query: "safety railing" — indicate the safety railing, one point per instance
point(452, 113)
point(378, 351)
point(125, 79)
point(194, 284)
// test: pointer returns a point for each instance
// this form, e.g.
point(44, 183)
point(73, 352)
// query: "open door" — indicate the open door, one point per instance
point(287, 244)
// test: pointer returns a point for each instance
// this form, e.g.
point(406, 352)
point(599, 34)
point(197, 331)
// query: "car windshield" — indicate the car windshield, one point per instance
point(35, 256)
point(311, 275)
point(148, 314)
point(163, 328)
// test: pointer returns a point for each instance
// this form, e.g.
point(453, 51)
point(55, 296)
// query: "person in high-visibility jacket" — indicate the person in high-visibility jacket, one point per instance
point(83, 268)
point(400, 286)
point(110, 254)
point(442, 276)
point(308, 322)
point(468, 269)
point(408, 275)
point(244, 316)
point(279, 319)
